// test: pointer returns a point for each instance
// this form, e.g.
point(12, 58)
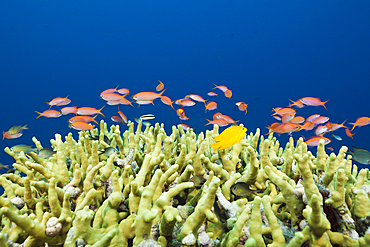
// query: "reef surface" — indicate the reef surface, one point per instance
point(163, 189)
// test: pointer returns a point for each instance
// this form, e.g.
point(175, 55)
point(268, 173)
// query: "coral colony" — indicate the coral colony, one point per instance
point(161, 189)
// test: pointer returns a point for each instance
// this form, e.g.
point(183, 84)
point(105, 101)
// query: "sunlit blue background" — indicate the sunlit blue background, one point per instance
point(266, 52)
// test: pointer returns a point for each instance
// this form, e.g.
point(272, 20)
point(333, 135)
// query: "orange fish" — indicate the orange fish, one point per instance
point(211, 105)
point(116, 119)
point(58, 101)
point(284, 127)
point(6, 135)
point(307, 126)
point(113, 102)
point(224, 117)
point(185, 126)
point(111, 96)
point(197, 98)
point(334, 126)
point(297, 103)
point(147, 96)
point(144, 102)
point(220, 122)
point(311, 101)
point(81, 126)
point(314, 140)
point(320, 120)
point(185, 102)
point(160, 86)
point(181, 113)
point(49, 114)
point(85, 119)
point(361, 121)
point(276, 109)
point(312, 117)
point(297, 120)
point(184, 118)
point(125, 101)
point(216, 115)
point(166, 100)
point(212, 94)
point(228, 93)
point(123, 91)
point(283, 111)
point(109, 90)
point(68, 110)
point(287, 117)
point(349, 133)
point(122, 116)
point(89, 111)
point(242, 106)
point(222, 88)
point(321, 130)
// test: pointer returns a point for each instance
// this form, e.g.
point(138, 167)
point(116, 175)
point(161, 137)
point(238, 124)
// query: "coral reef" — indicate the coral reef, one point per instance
point(174, 190)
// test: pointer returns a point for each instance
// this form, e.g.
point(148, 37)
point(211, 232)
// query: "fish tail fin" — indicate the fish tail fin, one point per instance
point(39, 114)
point(215, 86)
point(216, 146)
point(100, 110)
point(162, 92)
point(209, 122)
point(3, 135)
point(353, 126)
point(324, 104)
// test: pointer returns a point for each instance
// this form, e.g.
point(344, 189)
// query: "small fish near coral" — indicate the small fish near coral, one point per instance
point(360, 155)
point(243, 189)
point(230, 136)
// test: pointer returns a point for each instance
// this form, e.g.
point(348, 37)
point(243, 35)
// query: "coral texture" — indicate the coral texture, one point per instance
point(174, 190)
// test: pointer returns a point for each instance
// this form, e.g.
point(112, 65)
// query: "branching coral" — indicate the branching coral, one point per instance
point(149, 192)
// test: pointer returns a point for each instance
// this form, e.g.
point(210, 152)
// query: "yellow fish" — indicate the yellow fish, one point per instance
point(229, 137)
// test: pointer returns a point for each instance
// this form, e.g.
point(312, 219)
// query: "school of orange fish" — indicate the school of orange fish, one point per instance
point(288, 121)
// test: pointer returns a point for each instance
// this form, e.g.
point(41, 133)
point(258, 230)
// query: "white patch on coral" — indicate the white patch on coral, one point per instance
point(73, 191)
point(53, 227)
point(18, 202)
point(189, 240)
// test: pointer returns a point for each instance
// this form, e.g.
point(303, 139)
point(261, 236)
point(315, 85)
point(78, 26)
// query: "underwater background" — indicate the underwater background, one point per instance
point(266, 52)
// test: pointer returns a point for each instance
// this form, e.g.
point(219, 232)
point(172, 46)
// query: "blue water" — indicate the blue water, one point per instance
point(266, 52)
